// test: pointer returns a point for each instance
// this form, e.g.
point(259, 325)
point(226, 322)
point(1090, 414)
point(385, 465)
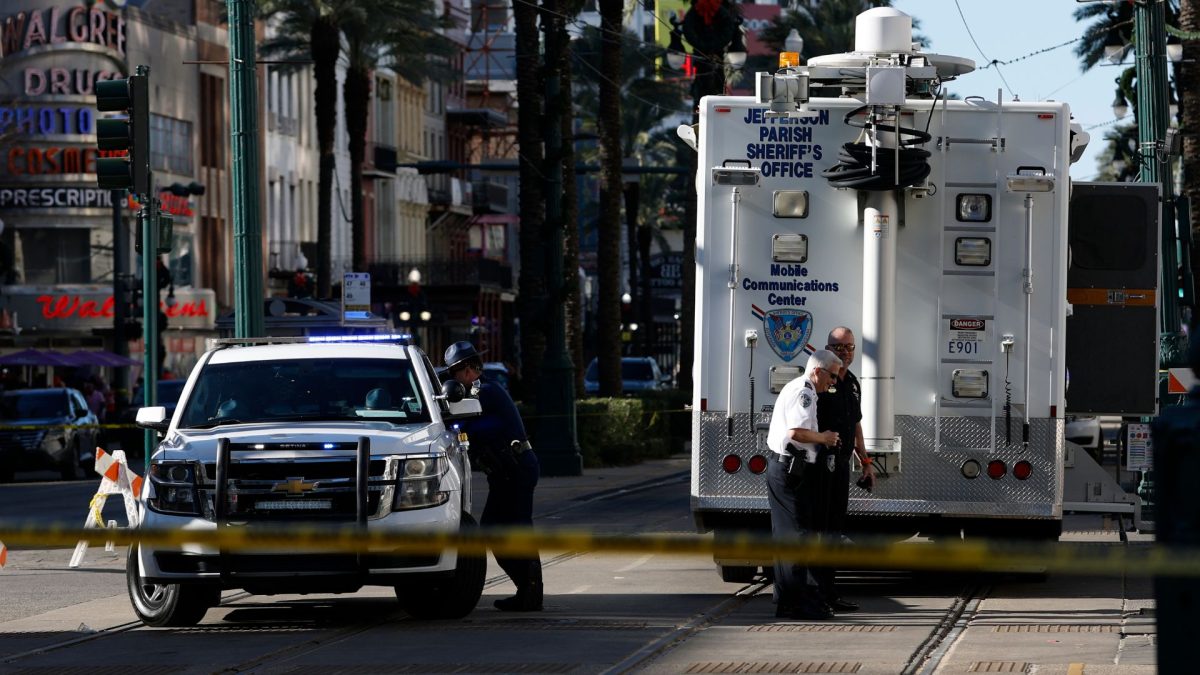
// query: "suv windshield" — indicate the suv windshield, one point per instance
point(24, 405)
point(308, 390)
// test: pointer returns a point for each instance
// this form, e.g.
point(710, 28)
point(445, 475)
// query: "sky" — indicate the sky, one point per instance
point(1010, 29)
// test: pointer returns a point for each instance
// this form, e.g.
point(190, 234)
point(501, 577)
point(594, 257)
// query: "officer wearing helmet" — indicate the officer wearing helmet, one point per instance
point(499, 446)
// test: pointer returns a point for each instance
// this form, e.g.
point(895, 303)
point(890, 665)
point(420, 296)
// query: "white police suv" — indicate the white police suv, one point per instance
point(337, 431)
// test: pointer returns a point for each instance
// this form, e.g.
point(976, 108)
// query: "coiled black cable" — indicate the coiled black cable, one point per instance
point(853, 169)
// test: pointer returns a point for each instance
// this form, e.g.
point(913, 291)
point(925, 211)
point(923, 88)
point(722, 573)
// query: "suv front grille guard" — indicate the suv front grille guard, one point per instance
point(272, 491)
point(295, 489)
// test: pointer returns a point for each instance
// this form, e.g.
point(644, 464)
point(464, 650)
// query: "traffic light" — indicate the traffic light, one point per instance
point(132, 133)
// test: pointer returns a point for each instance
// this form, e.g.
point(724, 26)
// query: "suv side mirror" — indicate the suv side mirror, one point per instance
point(453, 391)
point(154, 417)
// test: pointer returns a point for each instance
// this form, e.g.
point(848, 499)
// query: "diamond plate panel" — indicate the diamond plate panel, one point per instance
point(710, 483)
point(931, 482)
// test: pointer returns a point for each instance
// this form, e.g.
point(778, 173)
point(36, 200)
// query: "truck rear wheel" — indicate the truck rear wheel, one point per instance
point(163, 605)
point(452, 598)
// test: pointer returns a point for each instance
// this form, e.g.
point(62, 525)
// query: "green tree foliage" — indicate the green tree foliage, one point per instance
point(311, 30)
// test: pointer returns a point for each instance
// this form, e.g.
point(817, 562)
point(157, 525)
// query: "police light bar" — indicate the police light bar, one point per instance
point(383, 337)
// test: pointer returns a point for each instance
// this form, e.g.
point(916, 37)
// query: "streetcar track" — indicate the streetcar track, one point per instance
point(698, 622)
point(929, 654)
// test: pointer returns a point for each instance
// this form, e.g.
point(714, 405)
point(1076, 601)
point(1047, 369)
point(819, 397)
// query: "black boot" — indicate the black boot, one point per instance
point(529, 593)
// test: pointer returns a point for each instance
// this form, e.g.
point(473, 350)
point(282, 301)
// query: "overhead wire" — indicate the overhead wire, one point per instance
point(985, 57)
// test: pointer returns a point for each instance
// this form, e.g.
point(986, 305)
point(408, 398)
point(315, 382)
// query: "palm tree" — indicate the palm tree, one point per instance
point(401, 35)
point(646, 102)
point(1187, 80)
point(532, 279)
point(558, 64)
point(312, 29)
point(608, 343)
point(1111, 26)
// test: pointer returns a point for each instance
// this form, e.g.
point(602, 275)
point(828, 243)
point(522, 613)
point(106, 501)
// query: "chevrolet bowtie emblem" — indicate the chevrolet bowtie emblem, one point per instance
point(294, 486)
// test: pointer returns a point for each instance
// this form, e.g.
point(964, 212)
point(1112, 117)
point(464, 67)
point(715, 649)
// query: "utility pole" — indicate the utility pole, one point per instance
point(1175, 597)
point(120, 286)
point(243, 126)
point(1150, 36)
point(148, 231)
point(558, 449)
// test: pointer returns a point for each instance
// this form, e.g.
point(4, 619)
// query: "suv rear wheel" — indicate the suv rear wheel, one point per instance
point(452, 598)
point(162, 605)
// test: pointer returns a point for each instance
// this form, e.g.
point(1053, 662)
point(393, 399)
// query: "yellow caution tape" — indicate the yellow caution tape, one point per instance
point(1152, 560)
point(96, 508)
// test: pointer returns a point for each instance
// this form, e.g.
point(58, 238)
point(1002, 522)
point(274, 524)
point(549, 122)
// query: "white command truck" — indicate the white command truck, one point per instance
point(948, 260)
point(341, 432)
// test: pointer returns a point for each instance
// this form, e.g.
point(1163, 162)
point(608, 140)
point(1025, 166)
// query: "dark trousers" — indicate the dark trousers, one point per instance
point(510, 503)
point(833, 492)
point(794, 509)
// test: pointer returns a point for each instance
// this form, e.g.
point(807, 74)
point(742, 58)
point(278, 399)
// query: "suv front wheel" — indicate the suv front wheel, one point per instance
point(162, 605)
point(453, 598)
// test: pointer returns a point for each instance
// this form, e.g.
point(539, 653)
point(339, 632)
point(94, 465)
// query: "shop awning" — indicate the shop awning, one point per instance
point(50, 357)
point(37, 357)
point(103, 358)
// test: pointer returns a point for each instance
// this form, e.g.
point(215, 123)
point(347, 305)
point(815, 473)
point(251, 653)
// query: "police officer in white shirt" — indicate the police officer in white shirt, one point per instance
point(792, 438)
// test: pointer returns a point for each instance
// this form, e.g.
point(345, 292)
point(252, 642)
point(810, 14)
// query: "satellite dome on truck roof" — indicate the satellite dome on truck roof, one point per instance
point(883, 30)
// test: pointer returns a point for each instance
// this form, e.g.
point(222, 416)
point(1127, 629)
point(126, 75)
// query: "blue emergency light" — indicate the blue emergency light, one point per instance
point(385, 337)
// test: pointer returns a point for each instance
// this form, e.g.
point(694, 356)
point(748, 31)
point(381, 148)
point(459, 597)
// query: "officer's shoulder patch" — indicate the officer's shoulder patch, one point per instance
point(806, 399)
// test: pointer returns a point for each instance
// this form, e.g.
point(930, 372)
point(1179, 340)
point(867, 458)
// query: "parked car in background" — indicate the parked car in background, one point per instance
point(132, 439)
point(638, 373)
point(168, 396)
point(46, 429)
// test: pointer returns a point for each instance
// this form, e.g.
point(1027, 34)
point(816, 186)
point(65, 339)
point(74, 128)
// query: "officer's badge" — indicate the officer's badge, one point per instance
point(787, 331)
point(806, 399)
point(830, 462)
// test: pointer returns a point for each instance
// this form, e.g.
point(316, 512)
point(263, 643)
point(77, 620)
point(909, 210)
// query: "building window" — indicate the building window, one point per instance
point(182, 260)
point(56, 255)
point(212, 122)
point(171, 145)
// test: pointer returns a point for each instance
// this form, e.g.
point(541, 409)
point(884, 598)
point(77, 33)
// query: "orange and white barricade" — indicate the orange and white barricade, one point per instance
point(116, 478)
point(3, 555)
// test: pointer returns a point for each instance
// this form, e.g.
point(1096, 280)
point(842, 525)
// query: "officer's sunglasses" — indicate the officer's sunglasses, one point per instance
point(840, 348)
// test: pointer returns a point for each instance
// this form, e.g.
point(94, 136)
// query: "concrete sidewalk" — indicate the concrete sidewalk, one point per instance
point(559, 493)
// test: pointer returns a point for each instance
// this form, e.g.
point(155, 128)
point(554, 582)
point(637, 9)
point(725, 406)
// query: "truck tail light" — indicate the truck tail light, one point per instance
point(757, 464)
point(1022, 470)
point(996, 469)
point(731, 463)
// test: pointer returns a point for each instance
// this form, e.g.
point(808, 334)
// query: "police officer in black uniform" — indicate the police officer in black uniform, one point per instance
point(840, 409)
point(500, 447)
